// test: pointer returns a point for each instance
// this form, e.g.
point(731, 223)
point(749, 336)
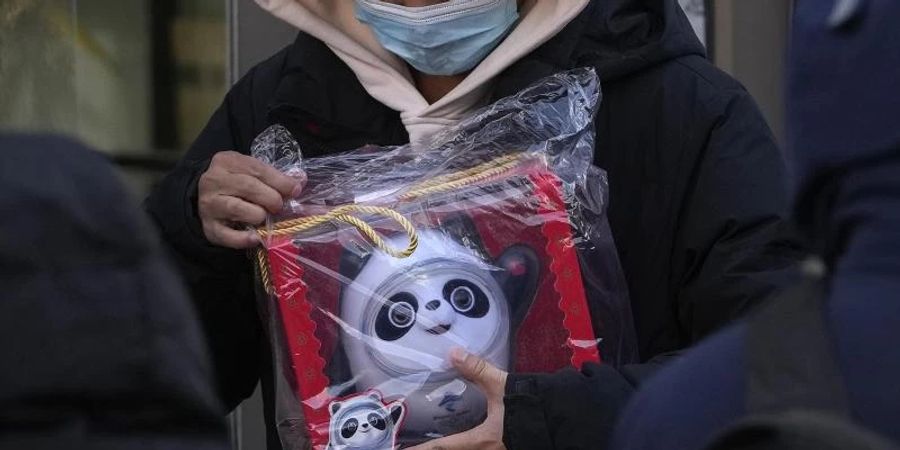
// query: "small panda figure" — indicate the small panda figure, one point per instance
point(401, 317)
point(364, 422)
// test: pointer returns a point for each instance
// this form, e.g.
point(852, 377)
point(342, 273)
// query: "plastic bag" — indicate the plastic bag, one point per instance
point(494, 239)
point(276, 147)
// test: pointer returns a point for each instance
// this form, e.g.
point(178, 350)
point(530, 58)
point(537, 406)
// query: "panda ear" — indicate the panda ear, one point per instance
point(334, 407)
point(462, 229)
point(518, 276)
point(374, 396)
point(396, 410)
point(352, 262)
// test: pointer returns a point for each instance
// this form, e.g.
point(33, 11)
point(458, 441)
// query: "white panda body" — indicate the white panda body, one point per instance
point(401, 318)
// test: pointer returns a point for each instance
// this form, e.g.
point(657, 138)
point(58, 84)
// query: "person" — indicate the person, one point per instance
point(101, 346)
point(697, 183)
point(839, 389)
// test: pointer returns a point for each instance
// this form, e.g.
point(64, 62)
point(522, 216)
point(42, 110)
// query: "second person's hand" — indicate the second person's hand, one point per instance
point(492, 381)
point(236, 191)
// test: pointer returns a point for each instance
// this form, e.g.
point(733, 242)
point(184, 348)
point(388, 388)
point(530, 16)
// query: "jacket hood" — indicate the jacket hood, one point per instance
point(617, 36)
point(101, 348)
point(387, 78)
point(621, 37)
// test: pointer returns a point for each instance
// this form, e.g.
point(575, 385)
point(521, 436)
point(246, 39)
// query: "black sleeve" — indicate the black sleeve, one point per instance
point(571, 409)
point(734, 248)
point(564, 410)
point(220, 280)
point(735, 245)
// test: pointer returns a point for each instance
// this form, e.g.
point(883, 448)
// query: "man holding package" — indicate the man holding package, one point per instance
point(697, 184)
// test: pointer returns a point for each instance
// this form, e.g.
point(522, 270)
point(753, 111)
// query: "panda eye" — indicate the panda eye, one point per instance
point(377, 421)
point(463, 299)
point(467, 298)
point(348, 429)
point(396, 317)
point(401, 315)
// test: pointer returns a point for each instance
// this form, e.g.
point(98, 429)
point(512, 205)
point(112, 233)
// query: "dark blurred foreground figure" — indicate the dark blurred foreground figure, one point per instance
point(100, 348)
point(820, 368)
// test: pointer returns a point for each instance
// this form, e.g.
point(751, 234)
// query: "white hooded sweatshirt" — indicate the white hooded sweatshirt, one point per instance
point(387, 78)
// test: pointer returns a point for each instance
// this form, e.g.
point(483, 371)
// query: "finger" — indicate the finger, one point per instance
point(300, 178)
point(254, 191)
point(477, 370)
point(283, 184)
point(236, 210)
point(220, 234)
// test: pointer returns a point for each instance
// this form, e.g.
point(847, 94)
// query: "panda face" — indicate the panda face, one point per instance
point(418, 315)
point(363, 429)
point(364, 422)
point(459, 297)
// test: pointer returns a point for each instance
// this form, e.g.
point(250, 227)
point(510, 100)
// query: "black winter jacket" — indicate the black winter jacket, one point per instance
point(697, 198)
point(101, 348)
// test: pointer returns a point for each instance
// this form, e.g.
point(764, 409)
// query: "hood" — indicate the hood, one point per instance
point(617, 37)
point(621, 37)
point(843, 107)
point(101, 347)
point(387, 79)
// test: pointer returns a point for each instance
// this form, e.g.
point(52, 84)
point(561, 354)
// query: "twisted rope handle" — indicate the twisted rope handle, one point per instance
point(474, 175)
point(263, 267)
point(341, 214)
point(344, 213)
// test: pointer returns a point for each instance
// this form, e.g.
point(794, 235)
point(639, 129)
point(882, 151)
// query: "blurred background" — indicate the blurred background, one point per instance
point(138, 79)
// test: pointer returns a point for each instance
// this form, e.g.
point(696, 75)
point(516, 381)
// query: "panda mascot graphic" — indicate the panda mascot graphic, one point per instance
point(364, 422)
point(401, 317)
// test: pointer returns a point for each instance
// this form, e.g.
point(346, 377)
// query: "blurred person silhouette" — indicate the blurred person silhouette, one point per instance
point(819, 368)
point(100, 344)
point(698, 191)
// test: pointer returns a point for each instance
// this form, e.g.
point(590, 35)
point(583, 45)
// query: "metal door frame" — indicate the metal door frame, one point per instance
point(253, 36)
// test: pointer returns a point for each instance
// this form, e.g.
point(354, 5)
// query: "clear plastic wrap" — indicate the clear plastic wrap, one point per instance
point(493, 239)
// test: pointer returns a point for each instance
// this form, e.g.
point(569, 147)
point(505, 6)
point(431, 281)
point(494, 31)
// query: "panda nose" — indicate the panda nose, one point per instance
point(436, 313)
point(365, 425)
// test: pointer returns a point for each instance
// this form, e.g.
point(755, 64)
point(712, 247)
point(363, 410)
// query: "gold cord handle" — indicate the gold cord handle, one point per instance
point(344, 214)
point(464, 178)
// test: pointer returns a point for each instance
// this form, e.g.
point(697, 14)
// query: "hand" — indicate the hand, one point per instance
point(238, 191)
point(492, 381)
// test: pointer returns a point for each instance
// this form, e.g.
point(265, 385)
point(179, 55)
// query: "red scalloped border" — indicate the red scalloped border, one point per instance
point(566, 269)
point(302, 343)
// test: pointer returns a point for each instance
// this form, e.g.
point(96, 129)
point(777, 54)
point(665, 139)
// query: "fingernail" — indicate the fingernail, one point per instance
point(298, 189)
point(458, 355)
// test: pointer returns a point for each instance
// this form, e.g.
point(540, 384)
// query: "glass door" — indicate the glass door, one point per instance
point(135, 79)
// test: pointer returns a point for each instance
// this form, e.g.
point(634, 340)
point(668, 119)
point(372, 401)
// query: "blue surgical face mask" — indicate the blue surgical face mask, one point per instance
point(444, 39)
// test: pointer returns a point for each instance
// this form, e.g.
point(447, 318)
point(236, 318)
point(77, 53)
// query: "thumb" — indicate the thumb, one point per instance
point(477, 370)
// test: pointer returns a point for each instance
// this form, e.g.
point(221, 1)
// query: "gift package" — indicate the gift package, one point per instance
point(492, 238)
